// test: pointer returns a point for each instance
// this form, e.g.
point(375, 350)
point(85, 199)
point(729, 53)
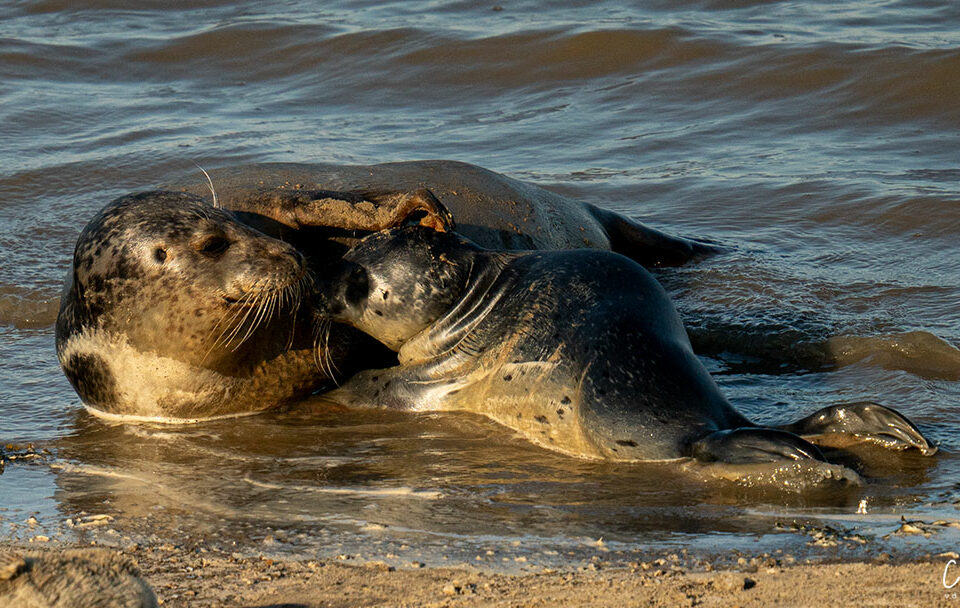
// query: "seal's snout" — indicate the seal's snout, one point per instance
point(288, 258)
point(269, 265)
point(284, 251)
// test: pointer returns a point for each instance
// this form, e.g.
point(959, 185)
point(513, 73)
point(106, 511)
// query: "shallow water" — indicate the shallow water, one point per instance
point(818, 146)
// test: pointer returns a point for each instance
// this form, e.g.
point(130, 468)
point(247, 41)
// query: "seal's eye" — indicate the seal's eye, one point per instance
point(160, 254)
point(214, 245)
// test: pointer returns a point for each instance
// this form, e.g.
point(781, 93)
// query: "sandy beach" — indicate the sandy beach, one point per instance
point(197, 577)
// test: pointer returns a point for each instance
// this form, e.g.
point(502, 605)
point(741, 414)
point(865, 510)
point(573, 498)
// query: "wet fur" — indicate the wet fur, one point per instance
point(152, 324)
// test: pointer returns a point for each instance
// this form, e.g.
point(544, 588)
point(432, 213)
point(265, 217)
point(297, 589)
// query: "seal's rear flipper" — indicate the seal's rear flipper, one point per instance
point(648, 246)
point(753, 445)
point(840, 425)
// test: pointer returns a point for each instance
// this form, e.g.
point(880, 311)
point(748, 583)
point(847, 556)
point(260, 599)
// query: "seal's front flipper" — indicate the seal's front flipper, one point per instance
point(419, 207)
point(402, 387)
point(647, 246)
point(372, 211)
point(840, 425)
point(753, 445)
point(348, 211)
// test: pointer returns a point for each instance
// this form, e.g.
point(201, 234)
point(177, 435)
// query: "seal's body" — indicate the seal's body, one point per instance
point(491, 209)
point(581, 351)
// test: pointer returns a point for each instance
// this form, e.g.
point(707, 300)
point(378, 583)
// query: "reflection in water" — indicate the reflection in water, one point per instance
point(317, 480)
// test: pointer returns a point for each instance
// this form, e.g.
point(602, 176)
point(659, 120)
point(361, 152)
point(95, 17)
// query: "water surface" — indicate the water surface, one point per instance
point(817, 143)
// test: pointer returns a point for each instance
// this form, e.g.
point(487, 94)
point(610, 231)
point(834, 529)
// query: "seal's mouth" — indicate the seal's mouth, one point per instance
point(248, 299)
point(256, 307)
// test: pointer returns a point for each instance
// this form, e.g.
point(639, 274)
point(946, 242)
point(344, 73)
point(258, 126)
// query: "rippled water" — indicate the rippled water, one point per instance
point(818, 143)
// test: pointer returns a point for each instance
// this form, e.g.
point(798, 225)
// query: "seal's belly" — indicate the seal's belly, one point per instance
point(543, 400)
point(532, 399)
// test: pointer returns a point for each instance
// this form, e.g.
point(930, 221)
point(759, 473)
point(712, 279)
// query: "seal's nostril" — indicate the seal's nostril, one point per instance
point(296, 255)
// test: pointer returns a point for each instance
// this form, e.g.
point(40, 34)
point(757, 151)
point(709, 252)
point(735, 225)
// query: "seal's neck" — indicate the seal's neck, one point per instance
point(393, 284)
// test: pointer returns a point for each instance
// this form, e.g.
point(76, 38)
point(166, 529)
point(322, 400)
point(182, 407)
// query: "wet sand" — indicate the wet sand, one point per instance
point(196, 576)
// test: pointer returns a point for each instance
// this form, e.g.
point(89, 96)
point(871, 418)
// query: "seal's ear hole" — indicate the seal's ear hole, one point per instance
point(160, 255)
point(213, 246)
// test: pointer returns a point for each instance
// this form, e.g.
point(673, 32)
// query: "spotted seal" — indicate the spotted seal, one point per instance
point(175, 309)
point(581, 351)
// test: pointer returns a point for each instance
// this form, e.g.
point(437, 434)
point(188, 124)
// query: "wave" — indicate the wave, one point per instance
point(917, 352)
point(871, 80)
point(28, 310)
point(751, 350)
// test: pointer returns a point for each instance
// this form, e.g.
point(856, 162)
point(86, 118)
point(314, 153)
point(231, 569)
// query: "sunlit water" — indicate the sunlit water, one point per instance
point(818, 146)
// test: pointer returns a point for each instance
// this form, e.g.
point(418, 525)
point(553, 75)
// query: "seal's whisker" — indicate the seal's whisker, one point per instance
point(200, 215)
point(316, 349)
point(318, 340)
point(224, 337)
point(212, 331)
point(239, 326)
point(268, 308)
point(322, 330)
point(216, 203)
point(261, 307)
point(332, 370)
point(241, 312)
point(293, 331)
point(253, 322)
point(294, 305)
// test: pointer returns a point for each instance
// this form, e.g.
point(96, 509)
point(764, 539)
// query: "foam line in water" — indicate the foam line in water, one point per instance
point(125, 418)
point(403, 491)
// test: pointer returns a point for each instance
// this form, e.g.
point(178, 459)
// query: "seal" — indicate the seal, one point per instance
point(174, 309)
point(581, 351)
point(489, 208)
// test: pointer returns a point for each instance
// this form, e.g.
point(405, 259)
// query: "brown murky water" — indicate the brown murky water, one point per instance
point(819, 145)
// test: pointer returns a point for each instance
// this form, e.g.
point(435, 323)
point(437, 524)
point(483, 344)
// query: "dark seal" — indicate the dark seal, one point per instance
point(581, 351)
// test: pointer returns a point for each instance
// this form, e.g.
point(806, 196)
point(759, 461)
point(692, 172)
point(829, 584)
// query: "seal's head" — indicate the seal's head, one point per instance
point(395, 283)
point(174, 309)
